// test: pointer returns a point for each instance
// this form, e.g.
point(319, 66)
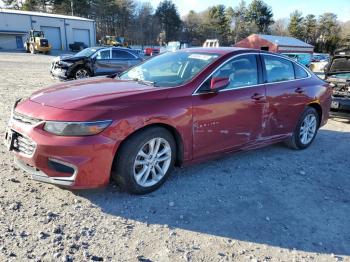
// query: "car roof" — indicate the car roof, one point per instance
point(217, 50)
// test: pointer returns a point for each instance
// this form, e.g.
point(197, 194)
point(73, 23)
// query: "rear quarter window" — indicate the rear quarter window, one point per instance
point(300, 72)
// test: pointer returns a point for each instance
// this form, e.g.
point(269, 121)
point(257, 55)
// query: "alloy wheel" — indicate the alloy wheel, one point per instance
point(82, 73)
point(152, 162)
point(308, 129)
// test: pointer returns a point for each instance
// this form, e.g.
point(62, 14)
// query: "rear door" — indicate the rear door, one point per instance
point(122, 60)
point(232, 117)
point(285, 92)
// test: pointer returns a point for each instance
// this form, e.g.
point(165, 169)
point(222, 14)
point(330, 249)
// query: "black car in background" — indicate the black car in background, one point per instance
point(77, 46)
point(94, 61)
point(337, 73)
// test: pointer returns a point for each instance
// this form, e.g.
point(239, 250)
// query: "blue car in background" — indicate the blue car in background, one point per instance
point(302, 58)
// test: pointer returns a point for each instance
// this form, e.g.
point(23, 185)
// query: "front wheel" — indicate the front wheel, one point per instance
point(306, 130)
point(145, 161)
point(82, 73)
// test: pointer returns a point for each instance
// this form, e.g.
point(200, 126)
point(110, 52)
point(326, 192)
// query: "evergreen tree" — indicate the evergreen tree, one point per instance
point(310, 29)
point(329, 31)
point(240, 21)
point(295, 26)
point(169, 19)
point(221, 22)
point(260, 15)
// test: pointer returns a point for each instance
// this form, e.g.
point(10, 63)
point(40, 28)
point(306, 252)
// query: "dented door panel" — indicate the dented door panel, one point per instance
point(227, 120)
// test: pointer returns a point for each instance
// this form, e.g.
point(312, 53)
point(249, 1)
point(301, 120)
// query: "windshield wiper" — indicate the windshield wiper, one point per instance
point(141, 81)
point(114, 75)
point(138, 80)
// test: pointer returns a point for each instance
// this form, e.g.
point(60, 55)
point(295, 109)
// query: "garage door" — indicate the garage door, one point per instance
point(81, 35)
point(8, 41)
point(53, 34)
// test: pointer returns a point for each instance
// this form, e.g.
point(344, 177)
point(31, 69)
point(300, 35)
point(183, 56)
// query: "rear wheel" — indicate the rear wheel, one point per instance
point(81, 73)
point(306, 130)
point(145, 161)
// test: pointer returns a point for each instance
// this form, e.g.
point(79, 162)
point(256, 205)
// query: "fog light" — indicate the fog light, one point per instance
point(60, 166)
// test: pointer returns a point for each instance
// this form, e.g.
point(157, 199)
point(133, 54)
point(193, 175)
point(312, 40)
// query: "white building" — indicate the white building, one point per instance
point(60, 30)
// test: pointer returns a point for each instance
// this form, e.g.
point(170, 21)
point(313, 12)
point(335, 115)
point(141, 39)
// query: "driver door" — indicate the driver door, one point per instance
point(234, 116)
point(103, 62)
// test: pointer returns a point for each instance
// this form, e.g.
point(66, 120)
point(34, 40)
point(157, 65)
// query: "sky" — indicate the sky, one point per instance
point(280, 8)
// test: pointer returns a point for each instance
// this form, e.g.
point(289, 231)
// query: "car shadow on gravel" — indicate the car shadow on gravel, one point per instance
point(274, 196)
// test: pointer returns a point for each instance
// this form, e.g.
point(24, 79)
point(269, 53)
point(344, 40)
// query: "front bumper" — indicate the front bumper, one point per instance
point(340, 103)
point(73, 162)
point(43, 49)
point(59, 73)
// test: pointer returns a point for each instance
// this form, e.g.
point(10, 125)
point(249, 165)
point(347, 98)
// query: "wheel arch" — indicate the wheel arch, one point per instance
point(175, 133)
point(78, 66)
point(318, 108)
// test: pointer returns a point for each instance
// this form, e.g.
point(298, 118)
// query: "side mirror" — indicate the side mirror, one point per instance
point(219, 83)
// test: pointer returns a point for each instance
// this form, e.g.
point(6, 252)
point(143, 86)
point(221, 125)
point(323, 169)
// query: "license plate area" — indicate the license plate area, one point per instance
point(335, 105)
point(10, 137)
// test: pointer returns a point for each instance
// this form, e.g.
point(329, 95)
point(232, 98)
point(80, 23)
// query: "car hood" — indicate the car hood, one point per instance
point(94, 94)
point(69, 58)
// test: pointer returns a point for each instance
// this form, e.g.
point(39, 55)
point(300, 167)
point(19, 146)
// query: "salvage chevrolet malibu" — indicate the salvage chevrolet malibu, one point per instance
point(174, 109)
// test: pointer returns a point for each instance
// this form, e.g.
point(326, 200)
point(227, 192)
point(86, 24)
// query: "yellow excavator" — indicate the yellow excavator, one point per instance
point(112, 40)
point(36, 42)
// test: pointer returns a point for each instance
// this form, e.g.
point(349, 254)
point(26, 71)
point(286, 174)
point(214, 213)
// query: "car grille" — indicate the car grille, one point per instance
point(24, 145)
point(25, 119)
point(44, 43)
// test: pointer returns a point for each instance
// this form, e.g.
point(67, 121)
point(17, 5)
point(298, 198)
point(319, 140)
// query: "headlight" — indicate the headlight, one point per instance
point(76, 128)
point(65, 64)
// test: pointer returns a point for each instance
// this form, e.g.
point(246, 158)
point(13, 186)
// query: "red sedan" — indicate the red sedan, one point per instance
point(175, 109)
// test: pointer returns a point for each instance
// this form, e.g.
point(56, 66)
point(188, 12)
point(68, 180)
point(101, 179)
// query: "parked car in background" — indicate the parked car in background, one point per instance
point(151, 51)
point(176, 45)
point(174, 109)
point(302, 58)
point(94, 61)
point(320, 57)
point(337, 73)
point(211, 43)
point(77, 46)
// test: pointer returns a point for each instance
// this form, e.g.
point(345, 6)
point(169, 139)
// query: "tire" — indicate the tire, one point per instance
point(81, 73)
point(137, 172)
point(302, 140)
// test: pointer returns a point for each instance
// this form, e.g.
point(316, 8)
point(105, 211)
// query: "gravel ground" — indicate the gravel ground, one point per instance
point(271, 204)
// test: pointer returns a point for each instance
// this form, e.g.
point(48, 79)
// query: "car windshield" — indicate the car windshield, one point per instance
point(170, 69)
point(37, 33)
point(340, 64)
point(87, 52)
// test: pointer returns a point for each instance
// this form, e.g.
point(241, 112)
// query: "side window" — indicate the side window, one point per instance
point(278, 69)
point(241, 71)
point(103, 54)
point(300, 72)
point(119, 54)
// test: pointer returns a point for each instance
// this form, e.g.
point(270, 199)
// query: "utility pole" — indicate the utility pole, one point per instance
point(72, 7)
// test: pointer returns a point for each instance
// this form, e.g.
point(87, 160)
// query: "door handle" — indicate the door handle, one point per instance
point(257, 97)
point(299, 90)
